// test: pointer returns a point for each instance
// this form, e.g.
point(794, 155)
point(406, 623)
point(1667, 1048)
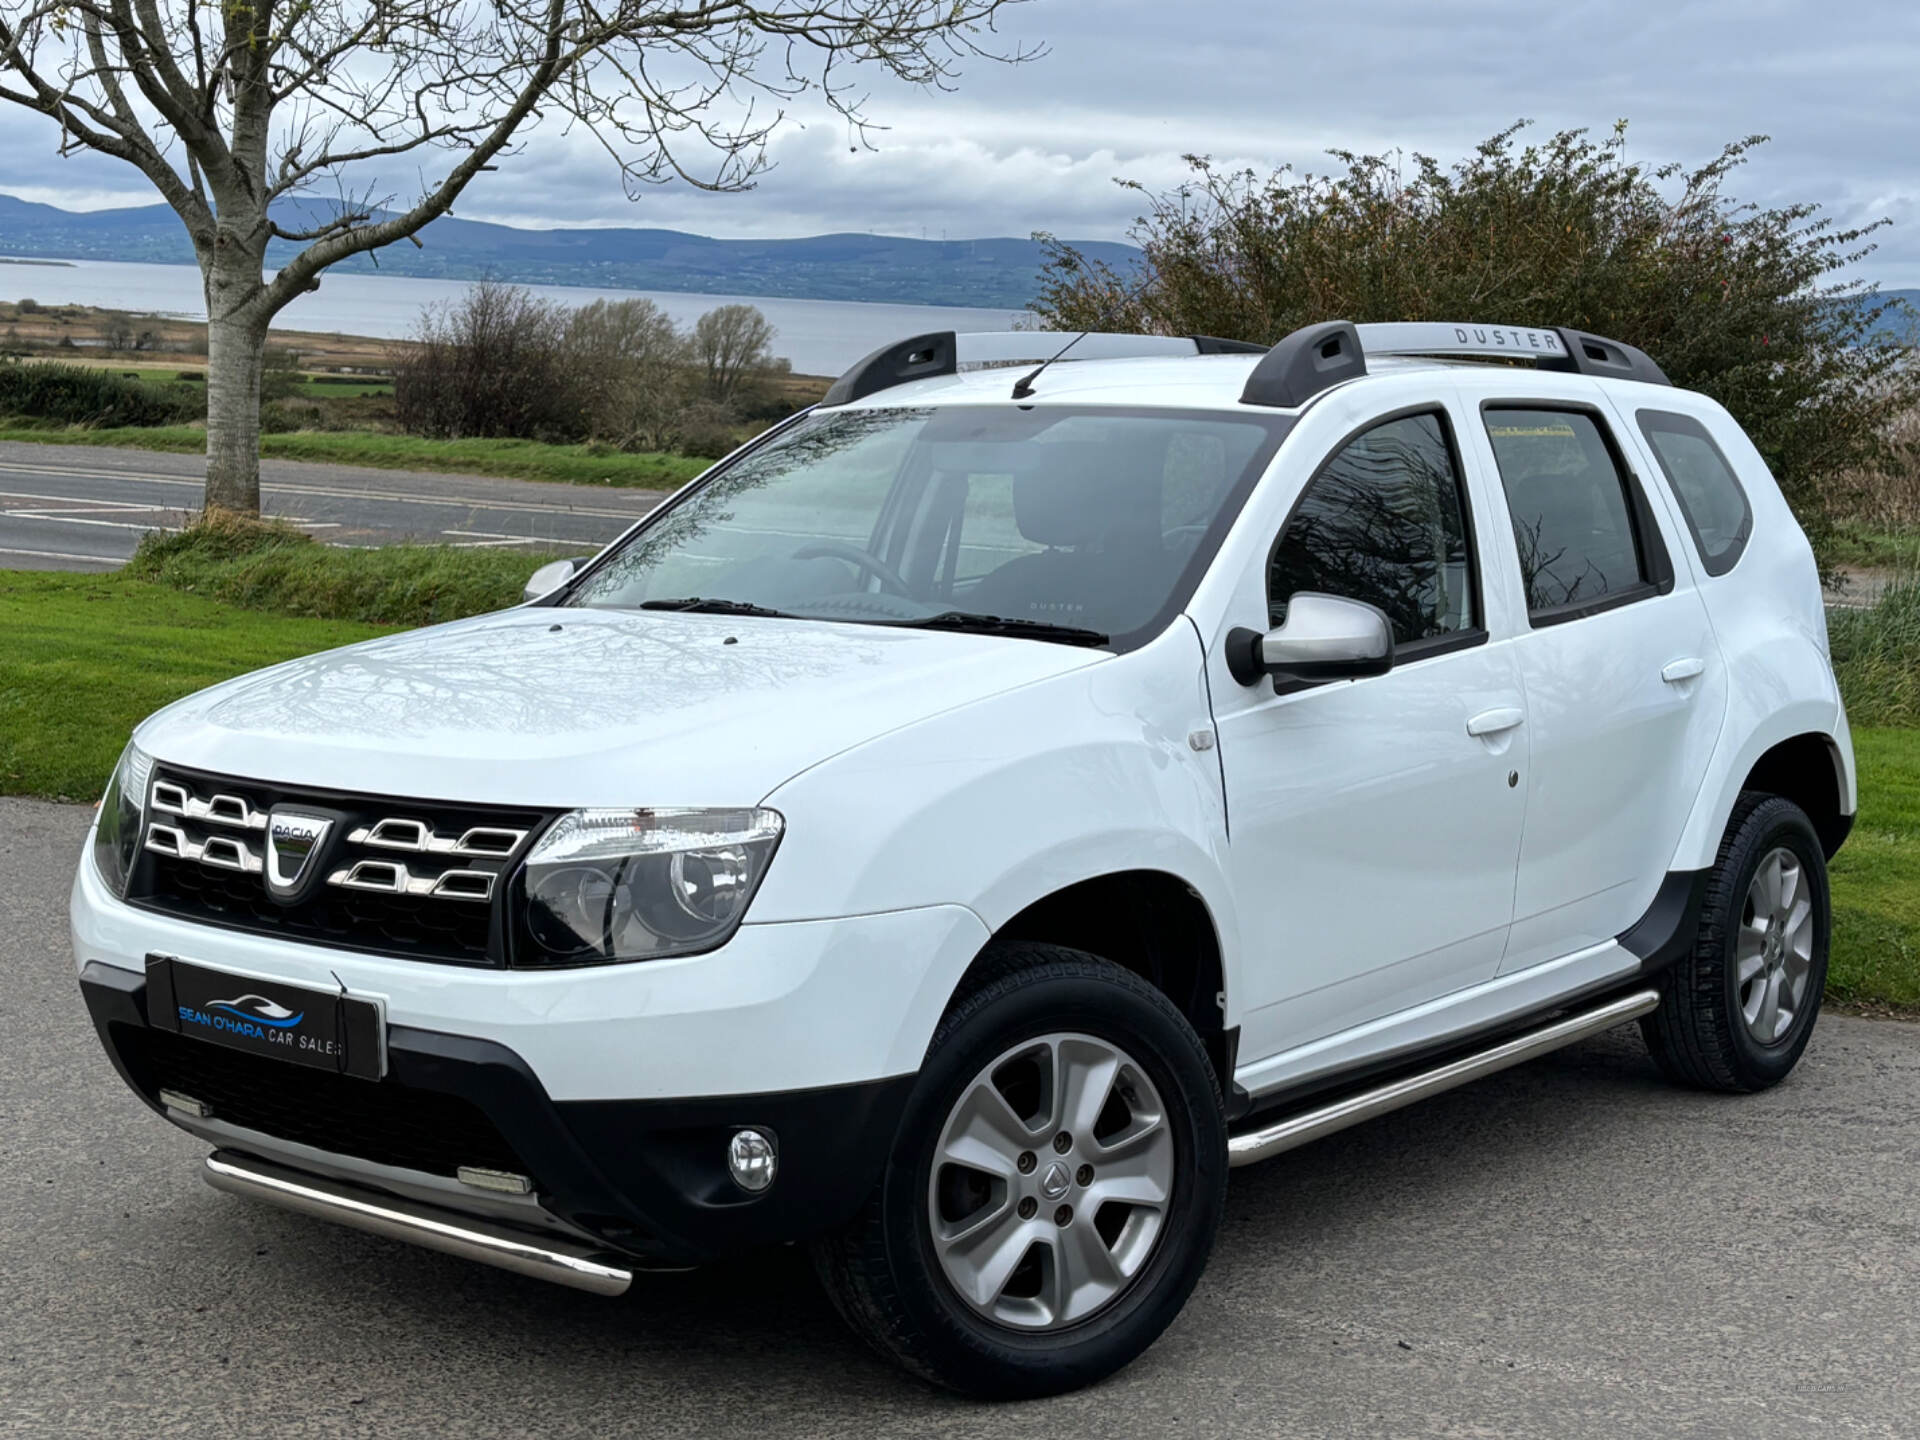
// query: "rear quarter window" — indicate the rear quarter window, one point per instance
point(1710, 495)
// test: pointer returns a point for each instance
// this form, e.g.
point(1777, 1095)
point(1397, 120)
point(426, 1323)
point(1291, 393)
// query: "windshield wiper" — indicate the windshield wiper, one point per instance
point(695, 605)
point(1005, 625)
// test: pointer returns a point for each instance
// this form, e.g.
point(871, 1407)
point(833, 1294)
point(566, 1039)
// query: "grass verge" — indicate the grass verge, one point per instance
point(511, 459)
point(1876, 657)
point(88, 656)
point(283, 571)
point(1876, 880)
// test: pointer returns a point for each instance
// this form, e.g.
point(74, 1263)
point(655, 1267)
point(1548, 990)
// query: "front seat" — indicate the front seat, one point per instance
point(1097, 510)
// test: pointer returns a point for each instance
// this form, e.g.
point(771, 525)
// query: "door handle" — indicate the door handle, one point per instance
point(1690, 668)
point(1495, 722)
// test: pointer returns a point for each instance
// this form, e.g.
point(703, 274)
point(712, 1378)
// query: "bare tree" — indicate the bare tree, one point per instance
point(629, 362)
point(732, 345)
point(226, 109)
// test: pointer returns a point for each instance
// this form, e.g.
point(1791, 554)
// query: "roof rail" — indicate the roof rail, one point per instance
point(1557, 348)
point(1311, 359)
point(1317, 357)
point(944, 352)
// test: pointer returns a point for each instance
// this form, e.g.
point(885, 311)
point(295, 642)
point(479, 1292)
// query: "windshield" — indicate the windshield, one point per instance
point(1086, 526)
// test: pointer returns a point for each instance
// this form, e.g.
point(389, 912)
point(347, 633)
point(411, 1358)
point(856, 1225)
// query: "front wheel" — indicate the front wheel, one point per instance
point(1740, 1007)
point(1054, 1189)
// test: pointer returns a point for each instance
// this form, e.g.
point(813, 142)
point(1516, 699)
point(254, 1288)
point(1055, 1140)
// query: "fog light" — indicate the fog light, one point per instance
point(751, 1159)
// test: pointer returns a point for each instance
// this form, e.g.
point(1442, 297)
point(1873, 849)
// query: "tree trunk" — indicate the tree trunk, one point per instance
point(236, 349)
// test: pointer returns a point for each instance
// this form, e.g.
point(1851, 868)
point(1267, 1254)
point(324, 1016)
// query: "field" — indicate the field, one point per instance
point(1876, 880)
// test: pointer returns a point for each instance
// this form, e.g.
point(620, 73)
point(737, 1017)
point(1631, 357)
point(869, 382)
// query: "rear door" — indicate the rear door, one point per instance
point(1625, 688)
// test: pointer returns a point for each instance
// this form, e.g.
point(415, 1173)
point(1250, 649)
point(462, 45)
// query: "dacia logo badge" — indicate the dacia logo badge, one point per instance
point(294, 842)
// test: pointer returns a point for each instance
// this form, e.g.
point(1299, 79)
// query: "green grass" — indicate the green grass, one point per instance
point(341, 386)
point(318, 387)
point(1875, 549)
point(1876, 880)
point(278, 569)
point(88, 656)
point(1876, 656)
point(513, 459)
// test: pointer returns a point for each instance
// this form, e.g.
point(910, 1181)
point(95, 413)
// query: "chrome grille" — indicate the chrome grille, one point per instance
point(400, 877)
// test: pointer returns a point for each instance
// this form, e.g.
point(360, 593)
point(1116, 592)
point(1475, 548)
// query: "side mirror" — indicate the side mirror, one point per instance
point(1326, 637)
point(549, 578)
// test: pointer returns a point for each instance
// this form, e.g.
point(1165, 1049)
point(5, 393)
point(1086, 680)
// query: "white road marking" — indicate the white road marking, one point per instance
point(494, 544)
point(283, 488)
point(69, 499)
point(110, 561)
point(40, 512)
point(76, 520)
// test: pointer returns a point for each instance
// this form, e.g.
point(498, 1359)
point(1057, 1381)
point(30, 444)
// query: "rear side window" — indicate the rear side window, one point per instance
point(1384, 521)
point(1703, 482)
point(1573, 515)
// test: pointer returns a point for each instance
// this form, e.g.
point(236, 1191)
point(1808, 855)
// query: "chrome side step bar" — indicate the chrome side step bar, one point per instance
point(543, 1257)
point(1253, 1146)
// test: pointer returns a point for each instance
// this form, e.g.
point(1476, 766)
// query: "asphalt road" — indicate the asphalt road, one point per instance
point(66, 507)
point(1569, 1249)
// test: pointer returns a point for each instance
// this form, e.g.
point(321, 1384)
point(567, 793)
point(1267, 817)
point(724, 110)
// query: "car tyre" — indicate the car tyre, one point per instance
point(1032, 1019)
point(1739, 1007)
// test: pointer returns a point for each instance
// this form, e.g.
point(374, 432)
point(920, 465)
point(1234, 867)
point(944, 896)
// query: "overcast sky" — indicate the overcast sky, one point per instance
point(1129, 85)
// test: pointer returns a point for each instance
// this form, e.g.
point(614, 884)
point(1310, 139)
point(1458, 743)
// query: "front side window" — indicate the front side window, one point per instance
point(1711, 499)
point(1095, 521)
point(1572, 519)
point(1384, 521)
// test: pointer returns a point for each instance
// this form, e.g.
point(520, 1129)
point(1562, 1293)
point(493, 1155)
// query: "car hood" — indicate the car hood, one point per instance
point(564, 707)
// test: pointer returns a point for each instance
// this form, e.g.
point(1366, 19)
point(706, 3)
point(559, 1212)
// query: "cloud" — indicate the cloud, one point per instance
point(1128, 86)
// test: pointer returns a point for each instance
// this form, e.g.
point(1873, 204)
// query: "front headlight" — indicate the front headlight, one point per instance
point(116, 838)
point(641, 884)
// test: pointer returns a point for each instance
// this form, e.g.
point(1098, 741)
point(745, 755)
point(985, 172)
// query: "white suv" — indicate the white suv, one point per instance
point(970, 819)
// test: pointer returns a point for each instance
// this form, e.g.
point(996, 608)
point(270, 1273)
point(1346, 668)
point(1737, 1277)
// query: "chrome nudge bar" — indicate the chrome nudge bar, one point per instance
point(544, 1257)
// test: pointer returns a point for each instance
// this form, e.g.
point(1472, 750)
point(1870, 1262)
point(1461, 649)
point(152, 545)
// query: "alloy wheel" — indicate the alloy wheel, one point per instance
point(1773, 948)
point(1051, 1183)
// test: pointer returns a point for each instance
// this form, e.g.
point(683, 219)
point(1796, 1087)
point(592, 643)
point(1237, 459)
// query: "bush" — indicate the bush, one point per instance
point(491, 365)
point(79, 395)
point(1876, 657)
point(631, 364)
point(266, 565)
point(1737, 301)
point(1885, 497)
point(284, 416)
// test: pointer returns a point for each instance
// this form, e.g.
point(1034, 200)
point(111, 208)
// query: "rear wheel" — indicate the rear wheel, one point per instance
point(1054, 1189)
point(1741, 1006)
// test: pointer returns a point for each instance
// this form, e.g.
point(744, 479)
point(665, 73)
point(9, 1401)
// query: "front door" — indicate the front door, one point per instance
point(1376, 823)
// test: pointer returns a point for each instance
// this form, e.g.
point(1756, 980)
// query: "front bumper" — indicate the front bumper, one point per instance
point(614, 1089)
point(646, 1178)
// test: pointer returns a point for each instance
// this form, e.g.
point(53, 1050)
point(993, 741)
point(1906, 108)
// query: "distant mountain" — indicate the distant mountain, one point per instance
point(995, 273)
point(1902, 324)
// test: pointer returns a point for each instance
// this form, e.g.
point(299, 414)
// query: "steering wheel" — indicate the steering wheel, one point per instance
point(872, 564)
